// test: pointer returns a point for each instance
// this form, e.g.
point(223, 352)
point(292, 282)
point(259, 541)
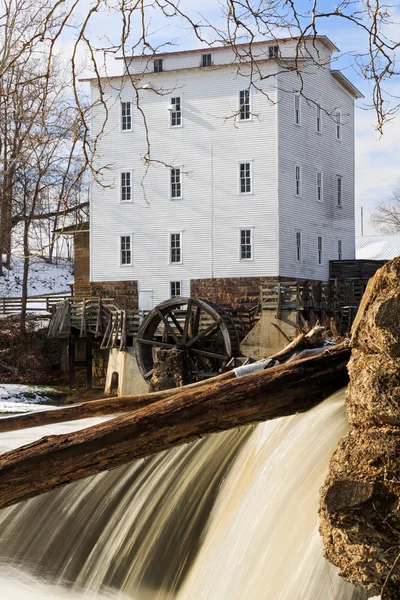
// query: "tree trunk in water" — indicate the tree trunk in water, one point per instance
point(59, 459)
point(360, 518)
point(110, 406)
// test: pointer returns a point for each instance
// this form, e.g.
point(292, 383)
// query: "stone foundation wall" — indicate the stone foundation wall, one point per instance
point(232, 291)
point(124, 292)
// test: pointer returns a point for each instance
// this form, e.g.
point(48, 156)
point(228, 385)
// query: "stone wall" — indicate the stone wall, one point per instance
point(124, 292)
point(232, 291)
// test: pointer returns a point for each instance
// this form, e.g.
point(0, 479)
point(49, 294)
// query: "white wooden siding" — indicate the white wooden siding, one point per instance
point(314, 152)
point(208, 148)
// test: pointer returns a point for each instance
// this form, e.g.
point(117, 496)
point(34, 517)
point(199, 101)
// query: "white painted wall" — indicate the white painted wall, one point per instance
point(314, 152)
point(208, 147)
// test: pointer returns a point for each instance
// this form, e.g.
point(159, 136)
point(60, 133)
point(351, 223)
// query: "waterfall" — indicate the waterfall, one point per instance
point(234, 515)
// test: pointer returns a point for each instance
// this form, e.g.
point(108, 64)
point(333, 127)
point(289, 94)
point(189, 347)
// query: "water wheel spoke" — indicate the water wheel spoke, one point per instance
point(168, 326)
point(209, 354)
point(196, 322)
point(148, 374)
point(203, 333)
point(176, 323)
point(187, 321)
point(155, 343)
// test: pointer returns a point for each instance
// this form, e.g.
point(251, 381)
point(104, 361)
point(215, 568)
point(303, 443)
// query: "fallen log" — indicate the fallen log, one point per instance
point(59, 459)
point(122, 404)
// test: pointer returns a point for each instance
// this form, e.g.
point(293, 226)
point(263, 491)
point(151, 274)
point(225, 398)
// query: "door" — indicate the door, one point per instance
point(145, 299)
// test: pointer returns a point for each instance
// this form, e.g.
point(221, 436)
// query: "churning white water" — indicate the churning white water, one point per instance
point(232, 516)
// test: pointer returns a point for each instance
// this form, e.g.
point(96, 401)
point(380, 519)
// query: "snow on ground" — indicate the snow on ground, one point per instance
point(15, 398)
point(44, 278)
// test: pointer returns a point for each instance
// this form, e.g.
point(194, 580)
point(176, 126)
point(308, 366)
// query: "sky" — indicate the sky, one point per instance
point(377, 156)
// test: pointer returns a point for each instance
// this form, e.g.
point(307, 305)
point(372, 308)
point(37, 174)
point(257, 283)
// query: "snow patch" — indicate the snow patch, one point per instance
point(16, 398)
point(44, 278)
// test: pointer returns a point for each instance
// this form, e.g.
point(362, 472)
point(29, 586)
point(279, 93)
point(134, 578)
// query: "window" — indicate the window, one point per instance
point(126, 186)
point(298, 180)
point(176, 184)
point(126, 249)
point(126, 116)
point(206, 60)
point(297, 115)
point(175, 289)
point(273, 51)
point(176, 112)
point(320, 250)
point(245, 178)
point(339, 190)
point(246, 244)
point(320, 190)
point(158, 65)
point(175, 249)
point(298, 246)
point(318, 119)
point(244, 105)
point(339, 249)
point(338, 125)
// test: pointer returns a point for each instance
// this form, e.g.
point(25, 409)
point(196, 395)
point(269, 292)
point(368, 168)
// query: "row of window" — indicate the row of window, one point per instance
point(244, 113)
point(206, 60)
point(319, 186)
point(246, 251)
point(337, 117)
point(245, 184)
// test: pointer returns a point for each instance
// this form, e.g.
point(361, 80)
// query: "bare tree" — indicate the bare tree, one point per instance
point(386, 215)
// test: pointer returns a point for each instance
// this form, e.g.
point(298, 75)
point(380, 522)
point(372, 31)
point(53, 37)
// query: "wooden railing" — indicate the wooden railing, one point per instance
point(333, 295)
point(43, 304)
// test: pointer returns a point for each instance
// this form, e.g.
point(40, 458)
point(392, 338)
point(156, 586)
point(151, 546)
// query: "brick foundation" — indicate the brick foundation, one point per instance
point(124, 292)
point(230, 291)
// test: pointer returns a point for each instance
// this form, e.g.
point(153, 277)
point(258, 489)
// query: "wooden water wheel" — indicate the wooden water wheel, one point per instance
point(201, 329)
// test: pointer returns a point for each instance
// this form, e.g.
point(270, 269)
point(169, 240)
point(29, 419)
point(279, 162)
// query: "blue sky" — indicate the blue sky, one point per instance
point(377, 157)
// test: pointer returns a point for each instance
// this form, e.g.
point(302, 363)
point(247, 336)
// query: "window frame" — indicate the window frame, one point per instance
point(174, 112)
point(319, 187)
point(121, 119)
point(170, 234)
point(240, 163)
point(251, 230)
point(130, 237)
point(338, 125)
point(121, 173)
point(340, 249)
point(298, 247)
point(273, 51)
point(202, 57)
point(297, 95)
point(159, 61)
point(170, 171)
point(244, 120)
point(318, 119)
point(171, 283)
point(299, 193)
point(337, 191)
point(320, 250)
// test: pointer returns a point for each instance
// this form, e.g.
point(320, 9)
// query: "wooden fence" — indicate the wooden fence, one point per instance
point(43, 305)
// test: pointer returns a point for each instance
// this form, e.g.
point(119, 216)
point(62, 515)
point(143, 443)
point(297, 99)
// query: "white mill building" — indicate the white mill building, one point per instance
point(251, 173)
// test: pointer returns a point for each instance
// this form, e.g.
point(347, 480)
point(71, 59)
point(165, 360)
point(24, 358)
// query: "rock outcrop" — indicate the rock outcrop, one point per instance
point(360, 500)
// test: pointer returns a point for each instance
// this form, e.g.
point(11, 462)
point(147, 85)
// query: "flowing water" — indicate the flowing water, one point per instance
point(232, 516)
